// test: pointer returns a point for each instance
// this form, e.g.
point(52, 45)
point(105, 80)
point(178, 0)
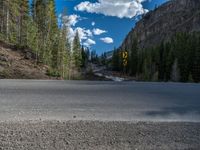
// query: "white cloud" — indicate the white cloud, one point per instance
point(97, 31)
point(107, 40)
point(84, 34)
point(93, 23)
point(88, 32)
point(71, 34)
point(72, 19)
point(117, 8)
point(89, 42)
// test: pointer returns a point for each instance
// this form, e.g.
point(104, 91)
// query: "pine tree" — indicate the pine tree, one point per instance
point(23, 22)
point(77, 51)
point(169, 61)
point(1, 18)
point(84, 57)
point(52, 34)
point(103, 59)
point(182, 53)
point(196, 60)
point(39, 31)
point(161, 69)
point(10, 13)
point(134, 57)
point(64, 49)
point(39, 15)
point(115, 60)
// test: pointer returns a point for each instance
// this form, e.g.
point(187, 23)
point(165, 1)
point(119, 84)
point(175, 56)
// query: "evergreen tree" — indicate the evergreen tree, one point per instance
point(169, 61)
point(33, 38)
point(196, 60)
point(23, 22)
point(39, 14)
point(103, 59)
point(52, 37)
point(161, 69)
point(176, 60)
point(37, 28)
point(77, 51)
point(134, 57)
point(115, 60)
point(182, 53)
point(1, 18)
point(84, 57)
point(10, 20)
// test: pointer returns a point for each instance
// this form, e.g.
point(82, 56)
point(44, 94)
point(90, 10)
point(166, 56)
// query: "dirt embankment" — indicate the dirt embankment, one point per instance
point(19, 64)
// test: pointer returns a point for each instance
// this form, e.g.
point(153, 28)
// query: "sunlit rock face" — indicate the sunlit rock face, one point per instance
point(166, 20)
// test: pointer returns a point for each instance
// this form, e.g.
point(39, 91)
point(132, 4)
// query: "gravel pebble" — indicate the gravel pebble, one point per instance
point(96, 135)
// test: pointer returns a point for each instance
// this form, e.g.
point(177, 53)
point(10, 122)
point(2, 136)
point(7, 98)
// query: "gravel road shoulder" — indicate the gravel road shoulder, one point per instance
point(96, 135)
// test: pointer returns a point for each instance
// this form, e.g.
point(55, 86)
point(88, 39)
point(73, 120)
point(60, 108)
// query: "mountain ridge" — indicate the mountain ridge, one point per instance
point(164, 22)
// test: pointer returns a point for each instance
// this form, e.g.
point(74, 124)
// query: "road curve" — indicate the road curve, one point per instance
point(97, 100)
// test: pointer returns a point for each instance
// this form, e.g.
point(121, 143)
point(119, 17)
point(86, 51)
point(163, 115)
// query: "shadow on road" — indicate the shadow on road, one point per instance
point(179, 110)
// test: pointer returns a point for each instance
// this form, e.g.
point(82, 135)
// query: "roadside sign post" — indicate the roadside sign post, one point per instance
point(125, 60)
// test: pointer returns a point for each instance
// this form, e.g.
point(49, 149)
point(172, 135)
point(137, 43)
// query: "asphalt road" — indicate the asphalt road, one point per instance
point(93, 100)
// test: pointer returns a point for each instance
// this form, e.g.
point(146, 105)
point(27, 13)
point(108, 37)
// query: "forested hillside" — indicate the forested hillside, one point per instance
point(164, 45)
point(35, 27)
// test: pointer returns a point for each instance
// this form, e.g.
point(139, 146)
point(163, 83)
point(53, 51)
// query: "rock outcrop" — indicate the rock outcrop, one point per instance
point(162, 23)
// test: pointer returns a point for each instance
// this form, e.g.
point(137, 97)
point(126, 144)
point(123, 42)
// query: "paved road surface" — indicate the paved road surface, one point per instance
point(84, 100)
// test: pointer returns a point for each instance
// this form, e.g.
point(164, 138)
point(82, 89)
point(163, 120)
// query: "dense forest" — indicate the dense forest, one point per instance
point(36, 27)
point(178, 60)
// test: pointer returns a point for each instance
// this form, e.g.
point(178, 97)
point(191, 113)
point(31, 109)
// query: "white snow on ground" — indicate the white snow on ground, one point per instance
point(117, 79)
point(99, 74)
point(97, 71)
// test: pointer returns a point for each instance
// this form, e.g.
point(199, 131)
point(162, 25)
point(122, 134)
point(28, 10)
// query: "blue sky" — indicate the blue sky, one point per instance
point(103, 24)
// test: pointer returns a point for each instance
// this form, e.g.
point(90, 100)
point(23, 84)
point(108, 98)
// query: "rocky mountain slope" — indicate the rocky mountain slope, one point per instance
point(162, 23)
point(17, 64)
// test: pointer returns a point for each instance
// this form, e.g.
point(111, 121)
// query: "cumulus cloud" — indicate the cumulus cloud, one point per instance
point(72, 19)
point(117, 8)
point(89, 42)
point(98, 31)
point(107, 40)
point(84, 34)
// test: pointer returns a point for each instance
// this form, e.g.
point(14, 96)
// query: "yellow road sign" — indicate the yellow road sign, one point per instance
point(125, 58)
point(125, 55)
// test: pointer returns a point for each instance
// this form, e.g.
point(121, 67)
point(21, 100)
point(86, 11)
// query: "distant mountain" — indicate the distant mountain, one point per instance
point(162, 23)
